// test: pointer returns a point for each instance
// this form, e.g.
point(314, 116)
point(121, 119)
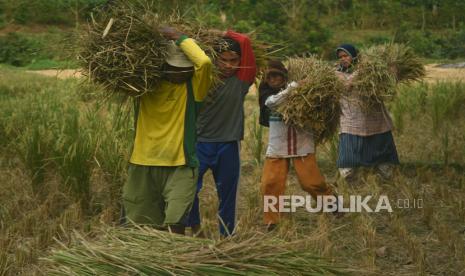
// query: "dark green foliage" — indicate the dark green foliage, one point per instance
point(17, 49)
point(449, 44)
point(378, 39)
point(453, 46)
point(434, 29)
point(36, 51)
point(64, 12)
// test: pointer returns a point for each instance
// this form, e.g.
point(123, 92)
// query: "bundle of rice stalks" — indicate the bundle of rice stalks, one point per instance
point(314, 104)
point(123, 50)
point(379, 71)
point(145, 251)
point(408, 66)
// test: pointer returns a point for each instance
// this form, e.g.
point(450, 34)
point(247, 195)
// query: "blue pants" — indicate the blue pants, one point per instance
point(223, 160)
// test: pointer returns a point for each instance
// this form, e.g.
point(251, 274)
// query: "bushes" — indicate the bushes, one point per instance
point(450, 44)
point(37, 51)
point(377, 40)
point(18, 50)
point(453, 45)
point(62, 12)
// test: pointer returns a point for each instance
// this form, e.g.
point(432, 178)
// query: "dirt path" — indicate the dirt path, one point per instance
point(60, 74)
point(433, 73)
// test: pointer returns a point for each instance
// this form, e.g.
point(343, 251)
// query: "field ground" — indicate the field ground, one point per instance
point(434, 73)
point(60, 74)
point(444, 74)
point(63, 163)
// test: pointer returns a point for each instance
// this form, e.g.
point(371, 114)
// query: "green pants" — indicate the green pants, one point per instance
point(159, 196)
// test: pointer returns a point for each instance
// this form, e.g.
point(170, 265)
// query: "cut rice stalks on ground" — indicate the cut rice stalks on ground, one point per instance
point(380, 70)
point(314, 104)
point(145, 251)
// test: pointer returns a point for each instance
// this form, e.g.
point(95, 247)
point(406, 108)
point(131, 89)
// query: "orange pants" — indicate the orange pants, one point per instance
point(274, 178)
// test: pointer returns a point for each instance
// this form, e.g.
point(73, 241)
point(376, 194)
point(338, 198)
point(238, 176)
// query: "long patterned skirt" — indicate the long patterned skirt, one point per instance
point(366, 151)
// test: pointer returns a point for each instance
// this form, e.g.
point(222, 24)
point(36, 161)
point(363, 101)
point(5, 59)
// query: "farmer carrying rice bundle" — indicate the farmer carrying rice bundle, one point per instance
point(286, 144)
point(162, 172)
point(220, 127)
point(365, 137)
point(371, 79)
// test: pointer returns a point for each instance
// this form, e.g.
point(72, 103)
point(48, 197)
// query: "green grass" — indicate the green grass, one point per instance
point(43, 64)
point(55, 140)
point(440, 106)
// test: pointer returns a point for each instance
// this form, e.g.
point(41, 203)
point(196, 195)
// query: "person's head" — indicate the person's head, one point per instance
point(177, 68)
point(229, 57)
point(347, 55)
point(276, 74)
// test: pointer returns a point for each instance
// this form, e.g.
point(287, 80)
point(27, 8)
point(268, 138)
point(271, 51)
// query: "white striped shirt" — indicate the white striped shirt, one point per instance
point(286, 141)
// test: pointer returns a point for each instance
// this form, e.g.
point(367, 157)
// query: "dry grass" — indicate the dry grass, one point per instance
point(119, 251)
point(413, 241)
point(434, 74)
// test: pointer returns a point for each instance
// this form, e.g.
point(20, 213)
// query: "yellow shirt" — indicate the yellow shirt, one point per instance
point(160, 125)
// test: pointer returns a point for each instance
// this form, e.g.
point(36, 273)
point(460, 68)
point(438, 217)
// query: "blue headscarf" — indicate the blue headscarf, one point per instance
point(351, 51)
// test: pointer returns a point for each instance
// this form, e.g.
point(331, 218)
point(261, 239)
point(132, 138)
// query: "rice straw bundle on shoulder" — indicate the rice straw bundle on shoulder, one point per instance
point(145, 251)
point(314, 104)
point(380, 69)
point(408, 66)
point(123, 50)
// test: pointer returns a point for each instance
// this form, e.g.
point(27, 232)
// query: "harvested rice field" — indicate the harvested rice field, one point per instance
point(60, 209)
point(81, 79)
